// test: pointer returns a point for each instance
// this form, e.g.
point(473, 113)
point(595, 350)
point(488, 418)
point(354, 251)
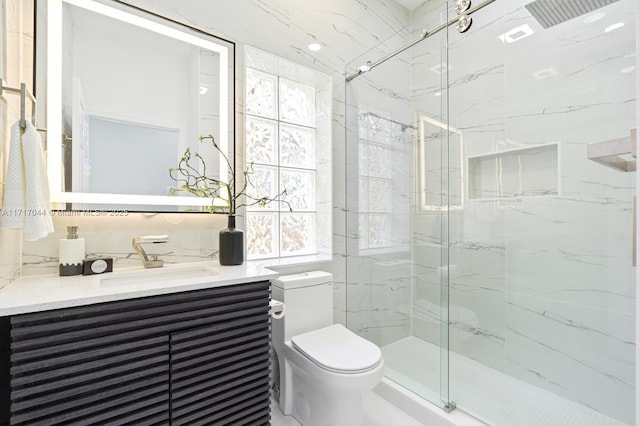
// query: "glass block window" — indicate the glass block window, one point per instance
point(376, 136)
point(282, 119)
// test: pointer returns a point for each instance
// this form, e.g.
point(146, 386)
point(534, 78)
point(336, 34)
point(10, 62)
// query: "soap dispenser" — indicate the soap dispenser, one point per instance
point(71, 253)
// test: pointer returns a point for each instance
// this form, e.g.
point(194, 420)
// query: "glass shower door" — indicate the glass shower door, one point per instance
point(542, 286)
point(397, 216)
point(436, 198)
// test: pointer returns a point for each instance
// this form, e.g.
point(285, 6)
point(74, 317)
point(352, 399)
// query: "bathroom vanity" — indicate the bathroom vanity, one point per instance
point(137, 347)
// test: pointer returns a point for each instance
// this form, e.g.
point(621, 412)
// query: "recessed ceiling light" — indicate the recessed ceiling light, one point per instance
point(628, 70)
point(518, 33)
point(614, 27)
point(203, 89)
point(594, 17)
point(314, 47)
point(437, 94)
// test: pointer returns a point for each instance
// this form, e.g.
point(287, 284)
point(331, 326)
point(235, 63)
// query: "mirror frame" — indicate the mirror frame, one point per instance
point(54, 100)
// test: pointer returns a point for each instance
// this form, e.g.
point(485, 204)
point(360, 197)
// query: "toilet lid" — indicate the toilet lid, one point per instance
point(338, 349)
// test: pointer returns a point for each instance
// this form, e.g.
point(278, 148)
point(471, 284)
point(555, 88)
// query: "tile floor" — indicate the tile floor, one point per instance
point(481, 391)
point(378, 412)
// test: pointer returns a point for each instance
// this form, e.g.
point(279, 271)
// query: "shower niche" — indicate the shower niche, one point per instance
point(523, 172)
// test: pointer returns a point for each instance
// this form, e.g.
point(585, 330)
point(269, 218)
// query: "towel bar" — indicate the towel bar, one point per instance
point(24, 93)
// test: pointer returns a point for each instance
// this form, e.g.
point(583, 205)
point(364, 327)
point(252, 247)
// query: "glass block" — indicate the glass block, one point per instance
point(363, 169)
point(298, 234)
point(378, 128)
point(261, 141)
point(301, 189)
point(297, 146)
point(380, 195)
point(262, 235)
point(363, 234)
point(396, 135)
point(379, 230)
point(362, 125)
point(261, 96)
point(379, 161)
point(262, 184)
point(363, 194)
point(297, 103)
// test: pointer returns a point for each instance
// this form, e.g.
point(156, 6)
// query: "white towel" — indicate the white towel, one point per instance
point(26, 204)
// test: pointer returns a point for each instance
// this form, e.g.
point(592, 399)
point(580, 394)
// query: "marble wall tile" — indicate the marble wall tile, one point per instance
point(378, 154)
point(583, 354)
point(192, 238)
point(561, 265)
point(378, 299)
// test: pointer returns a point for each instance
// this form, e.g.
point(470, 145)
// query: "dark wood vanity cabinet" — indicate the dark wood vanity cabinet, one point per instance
point(190, 358)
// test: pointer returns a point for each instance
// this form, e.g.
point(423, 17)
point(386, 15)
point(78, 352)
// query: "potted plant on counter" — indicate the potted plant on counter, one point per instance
point(191, 176)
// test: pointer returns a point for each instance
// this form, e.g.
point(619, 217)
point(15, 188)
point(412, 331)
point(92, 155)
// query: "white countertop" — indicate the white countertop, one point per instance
point(46, 292)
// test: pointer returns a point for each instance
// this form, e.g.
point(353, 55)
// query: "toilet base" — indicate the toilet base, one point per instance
point(315, 409)
point(317, 397)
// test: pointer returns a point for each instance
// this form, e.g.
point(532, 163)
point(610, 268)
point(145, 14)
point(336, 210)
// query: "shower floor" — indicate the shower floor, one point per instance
point(482, 391)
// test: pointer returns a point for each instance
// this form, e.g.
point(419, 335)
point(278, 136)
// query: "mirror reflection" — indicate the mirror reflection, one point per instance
point(134, 92)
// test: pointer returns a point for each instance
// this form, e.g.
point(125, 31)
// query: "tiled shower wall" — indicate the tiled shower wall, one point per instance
point(379, 152)
point(541, 285)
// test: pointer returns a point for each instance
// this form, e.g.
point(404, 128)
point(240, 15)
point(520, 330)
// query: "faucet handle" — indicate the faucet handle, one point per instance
point(149, 260)
point(155, 256)
point(153, 262)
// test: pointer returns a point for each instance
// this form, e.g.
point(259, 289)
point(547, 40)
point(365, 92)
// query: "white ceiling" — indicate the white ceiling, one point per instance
point(410, 4)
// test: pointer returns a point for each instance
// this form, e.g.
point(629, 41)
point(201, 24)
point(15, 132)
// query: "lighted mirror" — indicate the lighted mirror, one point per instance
point(127, 92)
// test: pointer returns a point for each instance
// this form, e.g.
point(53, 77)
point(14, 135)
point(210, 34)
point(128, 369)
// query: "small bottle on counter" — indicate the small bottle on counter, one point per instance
point(71, 253)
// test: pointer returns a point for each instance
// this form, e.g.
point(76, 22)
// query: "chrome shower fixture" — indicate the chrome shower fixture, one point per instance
point(553, 12)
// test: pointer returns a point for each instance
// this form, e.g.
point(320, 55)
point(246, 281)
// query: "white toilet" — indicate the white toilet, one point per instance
point(324, 368)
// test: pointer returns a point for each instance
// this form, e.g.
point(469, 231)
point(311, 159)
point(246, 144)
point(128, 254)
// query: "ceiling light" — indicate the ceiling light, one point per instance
point(628, 70)
point(518, 33)
point(614, 27)
point(437, 94)
point(203, 89)
point(594, 17)
point(314, 47)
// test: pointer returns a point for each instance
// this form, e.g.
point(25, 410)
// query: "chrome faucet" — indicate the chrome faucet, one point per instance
point(149, 261)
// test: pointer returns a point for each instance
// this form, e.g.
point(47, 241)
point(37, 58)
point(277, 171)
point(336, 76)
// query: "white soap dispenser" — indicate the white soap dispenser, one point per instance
point(71, 253)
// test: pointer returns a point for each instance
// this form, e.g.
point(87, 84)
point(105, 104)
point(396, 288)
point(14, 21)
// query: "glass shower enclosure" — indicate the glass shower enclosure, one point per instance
point(490, 209)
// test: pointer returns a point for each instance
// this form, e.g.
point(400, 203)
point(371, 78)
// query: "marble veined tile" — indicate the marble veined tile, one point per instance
point(583, 354)
point(555, 250)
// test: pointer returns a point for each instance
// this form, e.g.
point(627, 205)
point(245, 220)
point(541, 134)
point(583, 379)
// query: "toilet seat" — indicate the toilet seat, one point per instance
point(337, 349)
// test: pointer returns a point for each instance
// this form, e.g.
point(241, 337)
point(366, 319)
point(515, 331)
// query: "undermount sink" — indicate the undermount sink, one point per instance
point(158, 275)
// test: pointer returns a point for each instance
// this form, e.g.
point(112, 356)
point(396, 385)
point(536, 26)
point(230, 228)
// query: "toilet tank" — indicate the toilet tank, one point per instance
point(308, 298)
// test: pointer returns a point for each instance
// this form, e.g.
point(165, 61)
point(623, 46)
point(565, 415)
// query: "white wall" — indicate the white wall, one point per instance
point(345, 28)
